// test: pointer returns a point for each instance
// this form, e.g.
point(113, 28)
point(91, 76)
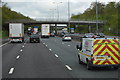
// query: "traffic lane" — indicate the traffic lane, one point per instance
point(68, 55)
point(10, 52)
point(37, 61)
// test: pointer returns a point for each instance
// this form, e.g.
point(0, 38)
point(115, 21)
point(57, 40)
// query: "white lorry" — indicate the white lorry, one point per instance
point(99, 52)
point(45, 30)
point(16, 32)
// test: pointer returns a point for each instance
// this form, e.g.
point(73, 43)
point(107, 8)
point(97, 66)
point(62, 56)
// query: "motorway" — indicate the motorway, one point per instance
point(51, 58)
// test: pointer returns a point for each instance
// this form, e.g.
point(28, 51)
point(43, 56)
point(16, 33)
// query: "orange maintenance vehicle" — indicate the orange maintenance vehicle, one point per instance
point(99, 52)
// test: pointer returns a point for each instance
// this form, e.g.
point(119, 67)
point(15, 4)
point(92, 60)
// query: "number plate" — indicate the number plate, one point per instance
point(16, 39)
point(99, 57)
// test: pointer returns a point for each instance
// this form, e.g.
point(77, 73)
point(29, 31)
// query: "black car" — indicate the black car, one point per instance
point(61, 34)
point(52, 34)
point(34, 38)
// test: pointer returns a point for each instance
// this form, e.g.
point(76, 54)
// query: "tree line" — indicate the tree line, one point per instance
point(8, 14)
point(109, 13)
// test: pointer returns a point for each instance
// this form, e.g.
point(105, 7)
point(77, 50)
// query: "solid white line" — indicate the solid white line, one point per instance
point(56, 55)
point(4, 44)
point(18, 57)
point(21, 50)
point(50, 49)
point(11, 70)
point(68, 67)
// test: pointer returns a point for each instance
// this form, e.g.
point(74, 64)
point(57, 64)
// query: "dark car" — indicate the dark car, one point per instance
point(101, 35)
point(34, 38)
point(52, 34)
point(61, 34)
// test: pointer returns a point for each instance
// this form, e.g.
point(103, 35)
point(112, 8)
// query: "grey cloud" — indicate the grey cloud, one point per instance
point(41, 8)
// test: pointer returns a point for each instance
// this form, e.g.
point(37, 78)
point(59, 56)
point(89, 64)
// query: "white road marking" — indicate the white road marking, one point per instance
point(18, 57)
point(50, 49)
point(21, 50)
point(43, 43)
point(23, 46)
point(4, 44)
point(68, 67)
point(56, 55)
point(62, 43)
point(46, 45)
point(68, 45)
point(11, 70)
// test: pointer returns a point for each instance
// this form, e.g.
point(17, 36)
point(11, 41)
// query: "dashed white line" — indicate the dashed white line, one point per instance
point(62, 43)
point(4, 44)
point(11, 70)
point(21, 50)
point(46, 45)
point(56, 55)
point(43, 43)
point(68, 45)
point(50, 49)
point(68, 67)
point(23, 46)
point(18, 57)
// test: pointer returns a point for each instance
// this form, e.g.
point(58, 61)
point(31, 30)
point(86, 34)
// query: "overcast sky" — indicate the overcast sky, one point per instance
point(47, 9)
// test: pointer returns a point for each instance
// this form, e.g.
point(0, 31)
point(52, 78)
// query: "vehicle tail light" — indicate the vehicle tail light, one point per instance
point(93, 37)
point(20, 35)
point(20, 39)
point(48, 33)
point(10, 35)
point(10, 39)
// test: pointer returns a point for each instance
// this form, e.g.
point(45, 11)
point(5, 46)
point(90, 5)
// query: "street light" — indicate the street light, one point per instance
point(57, 8)
point(96, 17)
point(69, 15)
point(53, 12)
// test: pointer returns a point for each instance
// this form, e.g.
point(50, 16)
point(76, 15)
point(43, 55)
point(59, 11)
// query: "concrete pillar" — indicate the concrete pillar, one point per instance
point(55, 29)
point(89, 28)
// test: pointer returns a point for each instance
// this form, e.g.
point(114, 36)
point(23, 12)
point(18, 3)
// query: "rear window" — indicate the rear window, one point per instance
point(34, 35)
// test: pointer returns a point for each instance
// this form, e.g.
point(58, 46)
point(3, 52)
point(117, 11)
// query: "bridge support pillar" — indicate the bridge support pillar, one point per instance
point(89, 28)
point(55, 29)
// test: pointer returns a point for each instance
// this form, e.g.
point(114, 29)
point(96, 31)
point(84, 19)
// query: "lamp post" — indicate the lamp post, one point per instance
point(96, 17)
point(57, 8)
point(69, 15)
point(53, 12)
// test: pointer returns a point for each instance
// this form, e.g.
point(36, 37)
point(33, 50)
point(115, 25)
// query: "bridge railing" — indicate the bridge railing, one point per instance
point(86, 20)
point(62, 20)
